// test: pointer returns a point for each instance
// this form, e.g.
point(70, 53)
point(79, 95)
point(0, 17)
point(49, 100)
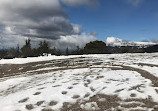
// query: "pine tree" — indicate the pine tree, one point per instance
point(26, 49)
point(78, 50)
point(67, 51)
point(18, 51)
point(58, 52)
point(43, 47)
point(2, 53)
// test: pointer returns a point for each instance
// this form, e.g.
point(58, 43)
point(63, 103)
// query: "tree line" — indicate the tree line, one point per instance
point(42, 49)
point(94, 47)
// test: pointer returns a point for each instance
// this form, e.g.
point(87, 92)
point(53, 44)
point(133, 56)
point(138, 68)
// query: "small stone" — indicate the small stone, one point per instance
point(133, 95)
point(29, 106)
point(64, 92)
point(23, 100)
point(37, 93)
point(70, 87)
point(76, 96)
point(39, 103)
point(52, 103)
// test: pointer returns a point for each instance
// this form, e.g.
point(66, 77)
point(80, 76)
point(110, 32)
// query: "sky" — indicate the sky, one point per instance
point(134, 20)
point(71, 23)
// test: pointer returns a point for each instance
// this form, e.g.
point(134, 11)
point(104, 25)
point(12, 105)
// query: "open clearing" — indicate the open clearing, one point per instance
point(116, 82)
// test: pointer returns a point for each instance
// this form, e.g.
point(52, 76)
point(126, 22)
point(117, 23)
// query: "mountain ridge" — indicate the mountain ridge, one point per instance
point(113, 41)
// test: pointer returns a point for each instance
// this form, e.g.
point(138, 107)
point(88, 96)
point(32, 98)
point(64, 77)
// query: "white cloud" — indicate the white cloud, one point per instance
point(63, 42)
point(77, 28)
point(45, 19)
point(76, 40)
point(11, 41)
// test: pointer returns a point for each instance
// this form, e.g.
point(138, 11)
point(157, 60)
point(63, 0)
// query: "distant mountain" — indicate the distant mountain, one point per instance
point(112, 41)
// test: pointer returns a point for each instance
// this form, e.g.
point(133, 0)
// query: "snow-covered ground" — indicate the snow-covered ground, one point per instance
point(34, 59)
point(149, 58)
point(89, 84)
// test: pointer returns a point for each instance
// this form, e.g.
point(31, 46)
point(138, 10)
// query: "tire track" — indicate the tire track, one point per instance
point(143, 73)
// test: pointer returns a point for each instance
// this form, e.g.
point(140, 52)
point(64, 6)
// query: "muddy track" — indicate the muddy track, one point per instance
point(145, 64)
point(10, 70)
point(143, 73)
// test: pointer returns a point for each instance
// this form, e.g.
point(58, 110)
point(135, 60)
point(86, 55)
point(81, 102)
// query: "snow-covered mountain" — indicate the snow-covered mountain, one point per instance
point(112, 41)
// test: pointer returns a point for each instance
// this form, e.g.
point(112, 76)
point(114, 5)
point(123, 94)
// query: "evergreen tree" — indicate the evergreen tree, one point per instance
point(43, 47)
point(95, 47)
point(18, 51)
point(2, 53)
point(78, 50)
point(58, 52)
point(67, 51)
point(26, 49)
point(11, 53)
point(53, 51)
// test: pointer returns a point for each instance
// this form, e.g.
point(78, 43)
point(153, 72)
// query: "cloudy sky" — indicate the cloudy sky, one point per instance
point(70, 23)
